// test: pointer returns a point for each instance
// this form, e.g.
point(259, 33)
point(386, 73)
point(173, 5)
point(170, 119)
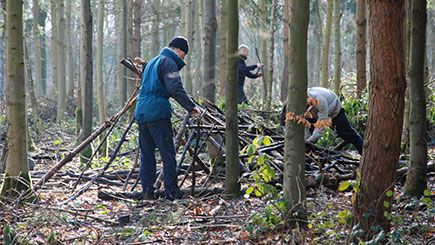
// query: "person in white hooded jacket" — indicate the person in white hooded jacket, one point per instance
point(330, 107)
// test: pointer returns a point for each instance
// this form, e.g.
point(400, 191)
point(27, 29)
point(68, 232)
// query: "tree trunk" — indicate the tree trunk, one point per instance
point(285, 71)
point(263, 47)
point(416, 180)
point(32, 95)
point(223, 50)
point(42, 19)
point(199, 33)
point(326, 44)
point(137, 19)
point(361, 30)
point(54, 48)
point(210, 26)
point(318, 36)
point(71, 66)
point(271, 47)
point(407, 45)
point(16, 177)
point(294, 158)
point(61, 85)
point(131, 84)
point(121, 36)
point(187, 75)
point(100, 78)
point(86, 68)
point(155, 42)
point(385, 119)
point(232, 173)
point(337, 46)
point(37, 47)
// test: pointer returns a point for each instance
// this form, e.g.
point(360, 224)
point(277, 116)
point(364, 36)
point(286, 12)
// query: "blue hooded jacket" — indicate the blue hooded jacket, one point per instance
point(161, 80)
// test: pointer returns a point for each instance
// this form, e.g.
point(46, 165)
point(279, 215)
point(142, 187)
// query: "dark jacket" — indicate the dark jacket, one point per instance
point(161, 80)
point(244, 71)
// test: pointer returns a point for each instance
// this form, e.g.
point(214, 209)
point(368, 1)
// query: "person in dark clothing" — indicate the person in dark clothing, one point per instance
point(160, 80)
point(245, 71)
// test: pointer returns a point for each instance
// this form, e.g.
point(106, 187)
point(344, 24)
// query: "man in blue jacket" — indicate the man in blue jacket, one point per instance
point(245, 71)
point(161, 80)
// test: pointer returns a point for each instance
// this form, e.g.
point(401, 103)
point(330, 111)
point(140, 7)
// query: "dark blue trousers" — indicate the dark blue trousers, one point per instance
point(152, 135)
point(345, 131)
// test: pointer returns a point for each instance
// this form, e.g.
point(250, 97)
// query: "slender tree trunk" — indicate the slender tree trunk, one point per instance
point(223, 50)
point(37, 47)
point(385, 119)
point(131, 82)
point(232, 173)
point(326, 44)
point(199, 34)
point(42, 19)
point(271, 47)
point(61, 88)
point(187, 71)
point(318, 36)
point(137, 39)
point(71, 66)
point(294, 158)
point(86, 68)
point(210, 26)
point(337, 46)
point(54, 48)
point(407, 45)
point(263, 47)
point(361, 30)
point(155, 42)
point(121, 36)
point(416, 180)
point(16, 177)
point(285, 71)
point(32, 95)
point(100, 78)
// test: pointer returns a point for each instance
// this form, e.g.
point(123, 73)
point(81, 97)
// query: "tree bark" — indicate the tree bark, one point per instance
point(285, 71)
point(16, 177)
point(187, 75)
point(61, 84)
point(199, 34)
point(155, 42)
point(223, 50)
point(54, 48)
point(137, 19)
point(270, 58)
point(337, 47)
point(121, 36)
point(416, 180)
point(232, 173)
point(100, 78)
point(263, 47)
point(385, 119)
point(361, 30)
point(86, 66)
point(294, 156)
point(37, 47)
point(42, 19)
point(326, 44)
point(210, 26)
point(71, 66)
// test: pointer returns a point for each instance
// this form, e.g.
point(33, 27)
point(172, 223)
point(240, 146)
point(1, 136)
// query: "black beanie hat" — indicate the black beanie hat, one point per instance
point(180, 42)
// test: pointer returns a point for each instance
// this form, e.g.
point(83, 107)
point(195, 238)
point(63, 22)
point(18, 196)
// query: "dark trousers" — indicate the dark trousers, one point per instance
point(241, 97)
point(152, 135)
point(345, 131)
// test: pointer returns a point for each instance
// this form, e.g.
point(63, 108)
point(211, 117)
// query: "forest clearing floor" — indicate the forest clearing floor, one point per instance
point(210, 219)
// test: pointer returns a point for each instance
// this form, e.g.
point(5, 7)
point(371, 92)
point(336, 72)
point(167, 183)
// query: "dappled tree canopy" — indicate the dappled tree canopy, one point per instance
point(71, 72)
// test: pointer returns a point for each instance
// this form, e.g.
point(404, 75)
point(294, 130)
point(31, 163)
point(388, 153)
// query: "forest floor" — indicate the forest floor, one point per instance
point(210, 219)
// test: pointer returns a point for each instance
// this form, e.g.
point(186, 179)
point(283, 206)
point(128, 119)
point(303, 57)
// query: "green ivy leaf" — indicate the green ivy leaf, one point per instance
point(386, 204)
point(250, 190)
point(426, 192)
point(267, 140)
point(251, 150)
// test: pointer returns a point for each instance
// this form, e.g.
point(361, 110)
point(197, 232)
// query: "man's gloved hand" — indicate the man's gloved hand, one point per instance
point(259, 74)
